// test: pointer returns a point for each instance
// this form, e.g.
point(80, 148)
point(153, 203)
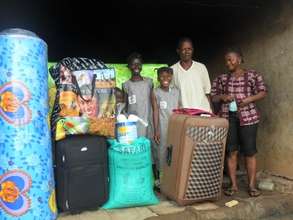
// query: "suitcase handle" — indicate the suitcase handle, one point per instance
point(193, 112)
point(169, 155)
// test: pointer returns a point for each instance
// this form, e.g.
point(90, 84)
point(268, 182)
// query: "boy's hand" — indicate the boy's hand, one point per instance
point(157, 137)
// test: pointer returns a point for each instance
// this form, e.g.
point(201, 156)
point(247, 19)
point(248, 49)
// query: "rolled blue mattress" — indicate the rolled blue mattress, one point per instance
point(26, 172)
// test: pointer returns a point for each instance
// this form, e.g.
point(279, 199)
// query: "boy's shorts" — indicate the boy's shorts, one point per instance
point(241, 138)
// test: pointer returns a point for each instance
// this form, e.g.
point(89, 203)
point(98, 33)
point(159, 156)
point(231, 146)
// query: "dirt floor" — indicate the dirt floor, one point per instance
point(211, 210)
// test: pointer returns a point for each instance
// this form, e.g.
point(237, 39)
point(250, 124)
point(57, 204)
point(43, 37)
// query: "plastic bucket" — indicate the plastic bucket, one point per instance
point(126, 132)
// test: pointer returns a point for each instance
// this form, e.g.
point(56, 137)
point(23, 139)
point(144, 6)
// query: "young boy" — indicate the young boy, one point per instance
point(164, 100)
point(138, 92)
point(120, 101)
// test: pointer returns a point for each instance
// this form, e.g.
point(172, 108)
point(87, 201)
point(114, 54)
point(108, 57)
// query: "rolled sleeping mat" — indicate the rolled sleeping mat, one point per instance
point(26, 172)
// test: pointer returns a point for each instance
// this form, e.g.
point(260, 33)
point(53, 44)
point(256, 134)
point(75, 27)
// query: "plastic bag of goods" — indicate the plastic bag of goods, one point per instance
point(84, 95)
point(130, 174)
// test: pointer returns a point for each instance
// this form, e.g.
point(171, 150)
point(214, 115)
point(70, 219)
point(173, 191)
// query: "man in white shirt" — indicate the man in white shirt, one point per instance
point(191, 78)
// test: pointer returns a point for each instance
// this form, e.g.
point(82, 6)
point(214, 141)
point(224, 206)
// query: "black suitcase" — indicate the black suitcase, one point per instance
point(81, 171)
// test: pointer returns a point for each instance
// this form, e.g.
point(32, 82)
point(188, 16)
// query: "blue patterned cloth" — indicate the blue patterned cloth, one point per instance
point(27, 189)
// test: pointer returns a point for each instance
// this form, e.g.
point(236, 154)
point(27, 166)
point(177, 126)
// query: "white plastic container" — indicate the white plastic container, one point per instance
point(126, 132)
point(126, 129)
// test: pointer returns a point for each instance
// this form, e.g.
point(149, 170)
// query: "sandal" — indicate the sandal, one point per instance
point(253, 192)
point(230, 192)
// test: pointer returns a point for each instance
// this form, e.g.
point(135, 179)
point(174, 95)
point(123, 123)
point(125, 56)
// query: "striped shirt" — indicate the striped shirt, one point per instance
point(249, 84)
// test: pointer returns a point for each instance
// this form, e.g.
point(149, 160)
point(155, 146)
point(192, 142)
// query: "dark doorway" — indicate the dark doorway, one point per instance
point(110, 30)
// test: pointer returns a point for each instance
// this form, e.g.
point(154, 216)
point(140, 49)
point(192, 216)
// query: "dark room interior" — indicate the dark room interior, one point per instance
point(110, 30)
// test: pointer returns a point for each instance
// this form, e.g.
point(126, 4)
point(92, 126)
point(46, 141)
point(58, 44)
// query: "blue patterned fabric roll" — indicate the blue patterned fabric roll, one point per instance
point(26, 172)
